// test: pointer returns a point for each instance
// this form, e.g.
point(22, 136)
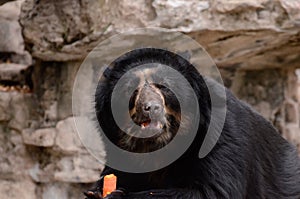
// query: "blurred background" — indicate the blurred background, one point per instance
point(256, 45)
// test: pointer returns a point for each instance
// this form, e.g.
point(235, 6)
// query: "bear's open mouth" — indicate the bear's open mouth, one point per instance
point(151, 124)
point(145, 123)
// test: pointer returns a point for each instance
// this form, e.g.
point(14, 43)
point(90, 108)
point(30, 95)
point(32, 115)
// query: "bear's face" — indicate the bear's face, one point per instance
point(143, 89)
point(154, 109)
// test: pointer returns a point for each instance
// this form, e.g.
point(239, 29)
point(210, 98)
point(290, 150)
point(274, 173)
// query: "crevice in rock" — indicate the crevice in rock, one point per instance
point(15, 77)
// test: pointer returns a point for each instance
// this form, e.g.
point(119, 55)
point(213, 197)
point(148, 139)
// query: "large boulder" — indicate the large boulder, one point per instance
point(231, 31)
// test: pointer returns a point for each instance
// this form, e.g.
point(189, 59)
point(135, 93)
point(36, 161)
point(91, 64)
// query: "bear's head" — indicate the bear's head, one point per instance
point(153, 110)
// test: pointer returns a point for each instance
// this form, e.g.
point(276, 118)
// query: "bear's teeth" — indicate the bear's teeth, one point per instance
point(157, 125)
point(145, 124)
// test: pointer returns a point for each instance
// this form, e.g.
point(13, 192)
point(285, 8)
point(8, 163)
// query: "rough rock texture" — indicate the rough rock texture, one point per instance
point(13, 72)
point(41, 154)
point(40, 137)
point(255, 44)
point(15, 189)
point(11, 40)
point(232, 31)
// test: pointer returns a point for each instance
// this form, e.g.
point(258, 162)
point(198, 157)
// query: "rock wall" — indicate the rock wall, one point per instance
point(255, 44)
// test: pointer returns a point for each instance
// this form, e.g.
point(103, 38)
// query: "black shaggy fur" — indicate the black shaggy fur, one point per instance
point(250, 160)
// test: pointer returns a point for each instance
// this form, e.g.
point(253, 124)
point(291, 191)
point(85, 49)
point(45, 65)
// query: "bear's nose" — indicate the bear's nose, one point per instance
point(152, 108)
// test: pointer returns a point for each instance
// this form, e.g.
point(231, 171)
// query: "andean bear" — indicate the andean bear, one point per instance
point(250, 159)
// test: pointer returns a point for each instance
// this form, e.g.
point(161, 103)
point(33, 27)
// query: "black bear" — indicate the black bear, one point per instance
point(250, 159)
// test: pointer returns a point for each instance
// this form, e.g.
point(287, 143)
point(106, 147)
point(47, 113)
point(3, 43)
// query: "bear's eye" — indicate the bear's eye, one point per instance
point(162, 87)
point(159, 86)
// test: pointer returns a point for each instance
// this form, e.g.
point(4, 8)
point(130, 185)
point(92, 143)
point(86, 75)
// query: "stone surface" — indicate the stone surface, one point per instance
point(55, 191)
point(17, 189)
point(42, 173)
point(66, 30)
point(53, 84)
point(231, 31)
point(17, 109)
point(10, 32)
point(11, 10)
point(224, 6)
point(5, 114)
point(292, 8)
point(59, 190)
point(22, 109)
point(13, 72)
point(40, 137)
point(67, 138)
point(263, 89)
point(83, 169)
point(14, 159)
point(11, 40)
point(4, 1)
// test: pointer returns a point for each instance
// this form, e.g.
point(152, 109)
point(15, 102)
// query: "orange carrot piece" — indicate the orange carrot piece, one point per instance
point(109, 184)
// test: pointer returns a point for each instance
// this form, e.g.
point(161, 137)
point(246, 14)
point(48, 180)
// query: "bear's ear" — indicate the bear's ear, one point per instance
point(107, 72)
